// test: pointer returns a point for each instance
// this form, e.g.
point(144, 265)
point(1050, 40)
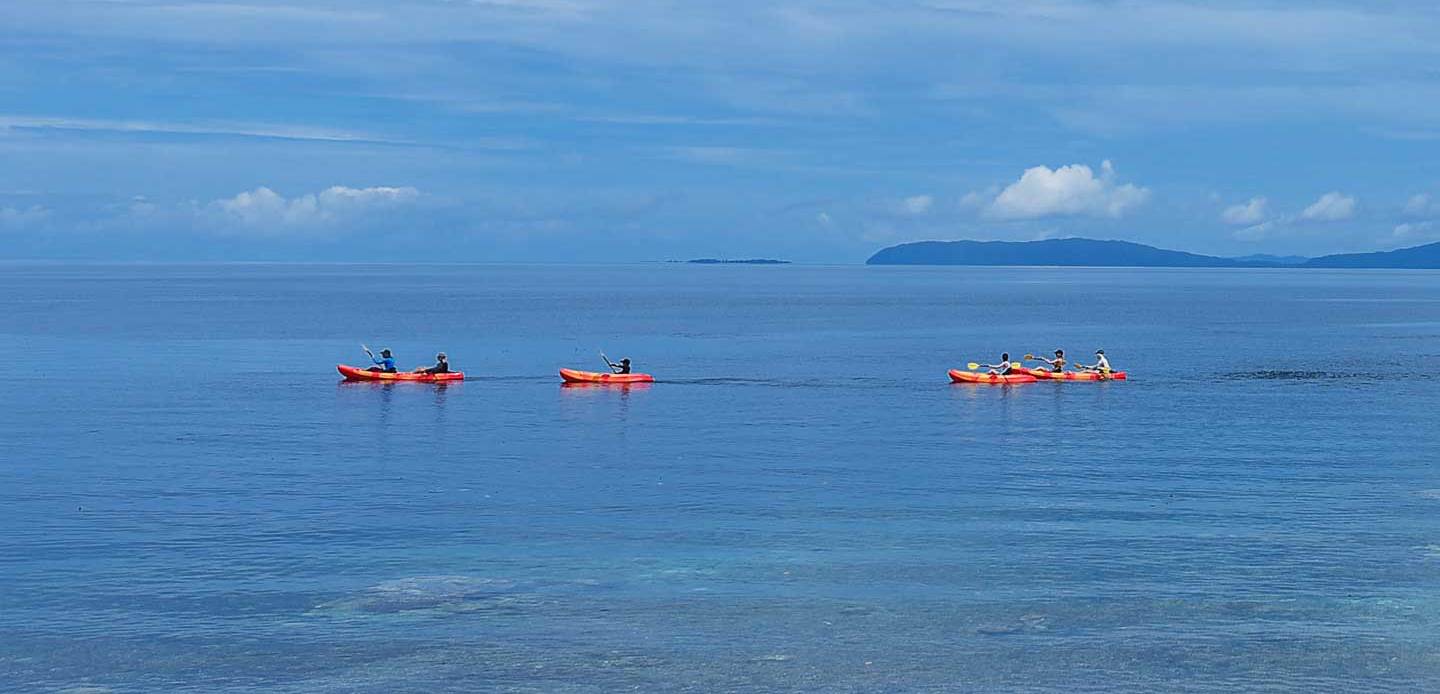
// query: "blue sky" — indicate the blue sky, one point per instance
point(613, 130)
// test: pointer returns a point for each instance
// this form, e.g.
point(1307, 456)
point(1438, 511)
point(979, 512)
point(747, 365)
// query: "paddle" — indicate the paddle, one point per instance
point(607, 360)
point(1014, 365)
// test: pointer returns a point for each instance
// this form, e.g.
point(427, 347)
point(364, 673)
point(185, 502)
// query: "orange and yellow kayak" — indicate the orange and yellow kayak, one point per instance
point(573, 376)
point(959, 376)
point(355, 373)
point(1047, 375)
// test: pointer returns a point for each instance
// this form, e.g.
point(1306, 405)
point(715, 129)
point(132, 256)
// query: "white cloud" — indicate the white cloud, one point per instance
point(724, 156)
point(1331, 207)
point(1248, 213)
point(264, 208)
point(15, 218)
point(916, 205)
point(975, 200)
point(1421, 204)
point(1416, 231)
point(1257, 232)
point(218, 128)
point(1069, 190)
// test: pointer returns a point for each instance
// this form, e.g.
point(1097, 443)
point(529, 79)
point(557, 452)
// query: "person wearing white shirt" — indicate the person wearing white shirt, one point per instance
point(1001, 369)
point(1101, 364)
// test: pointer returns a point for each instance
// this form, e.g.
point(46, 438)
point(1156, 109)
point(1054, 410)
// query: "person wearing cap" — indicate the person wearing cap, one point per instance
point(1101, 364)
point(1058, 363)
point(622, 368)
point(442, 366)
point(385, 362)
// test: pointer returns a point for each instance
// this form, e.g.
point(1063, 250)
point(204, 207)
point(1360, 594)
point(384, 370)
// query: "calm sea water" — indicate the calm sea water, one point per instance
point(191, 500)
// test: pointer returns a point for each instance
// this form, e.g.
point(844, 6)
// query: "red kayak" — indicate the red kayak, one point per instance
point(1047, 375)
point(959, 376)
point(355, 373)
point(573, 376)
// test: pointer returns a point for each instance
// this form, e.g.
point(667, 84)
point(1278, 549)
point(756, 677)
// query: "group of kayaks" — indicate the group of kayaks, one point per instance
point(384, 370)
point(1032, 375)
point(1004, 373)
point(355, 373)
point(1007, 372)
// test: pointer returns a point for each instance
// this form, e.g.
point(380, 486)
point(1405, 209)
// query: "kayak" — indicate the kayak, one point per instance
point(573, 376)
point(355, 373)
point(1046, 375)
point(959, 376)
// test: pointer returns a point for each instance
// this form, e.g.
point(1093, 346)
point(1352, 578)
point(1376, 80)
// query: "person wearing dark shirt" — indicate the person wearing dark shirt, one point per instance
point(442, 366)
point(1058, 363)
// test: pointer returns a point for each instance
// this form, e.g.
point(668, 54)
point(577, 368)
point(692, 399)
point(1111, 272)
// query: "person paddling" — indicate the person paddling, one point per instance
point(1101, 365)
point(622, 368)
point(442, 366)
point(1057, 364)
point(384, 363)
point(1001, 369)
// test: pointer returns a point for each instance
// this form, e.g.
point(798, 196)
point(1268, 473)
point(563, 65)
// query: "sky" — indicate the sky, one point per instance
point(638, 130)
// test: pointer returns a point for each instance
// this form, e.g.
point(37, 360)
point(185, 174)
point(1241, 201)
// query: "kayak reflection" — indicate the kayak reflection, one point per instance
point(621, 386)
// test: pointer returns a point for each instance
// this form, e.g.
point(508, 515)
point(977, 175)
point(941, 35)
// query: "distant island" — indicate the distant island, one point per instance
point(750, 261)
point(1264, 259)
point(1077, 252)
point(1425, 257)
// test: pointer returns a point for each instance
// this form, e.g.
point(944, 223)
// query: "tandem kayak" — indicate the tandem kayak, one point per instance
point(959, 376)
point(573, 376)
point(1046, 375)
point(355, 373)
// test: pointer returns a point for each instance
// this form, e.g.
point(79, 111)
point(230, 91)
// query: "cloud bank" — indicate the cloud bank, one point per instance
point(19, 218)
point(264, 209)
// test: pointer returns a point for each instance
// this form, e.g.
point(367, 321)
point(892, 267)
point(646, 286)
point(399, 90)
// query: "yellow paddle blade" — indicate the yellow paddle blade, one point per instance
point(1028, 356)
point(972, 366)
point(1016, 365)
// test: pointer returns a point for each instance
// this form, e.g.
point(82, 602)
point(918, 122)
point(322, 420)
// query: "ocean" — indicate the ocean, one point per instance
point(192, 501)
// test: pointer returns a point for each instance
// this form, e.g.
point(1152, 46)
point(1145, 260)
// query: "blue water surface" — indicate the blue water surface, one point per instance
point(191, 500)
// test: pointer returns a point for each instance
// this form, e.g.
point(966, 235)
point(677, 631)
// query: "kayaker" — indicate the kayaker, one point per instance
point(622, 368)
point(442, 366)
point(1101, 365)
point(1057, 364)
point(1001, 369)
point(384, 363)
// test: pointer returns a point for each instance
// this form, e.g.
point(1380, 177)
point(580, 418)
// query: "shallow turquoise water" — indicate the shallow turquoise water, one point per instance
point(190, 500)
